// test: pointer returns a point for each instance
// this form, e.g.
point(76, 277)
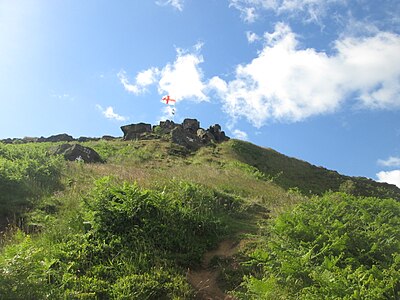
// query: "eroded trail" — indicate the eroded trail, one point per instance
point(204, 279)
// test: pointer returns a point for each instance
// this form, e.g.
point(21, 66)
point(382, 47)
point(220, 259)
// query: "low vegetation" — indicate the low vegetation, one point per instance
point(332, 247)
point(27, 174)
point(135, 226)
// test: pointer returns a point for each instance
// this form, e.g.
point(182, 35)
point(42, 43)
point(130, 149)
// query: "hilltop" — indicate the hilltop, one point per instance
point(284, 171)
point(175, 211)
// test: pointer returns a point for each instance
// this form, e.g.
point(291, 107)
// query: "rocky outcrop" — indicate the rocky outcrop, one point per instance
point(77, 152)
point(109, 138)
point(205, 136)
point(7, 141)
point(188, 134)
point(191, 125)
point(165, 127)
point(217, 133)
point(135, 131)
point(84, 139)
point(63, 137)
point(185, 138)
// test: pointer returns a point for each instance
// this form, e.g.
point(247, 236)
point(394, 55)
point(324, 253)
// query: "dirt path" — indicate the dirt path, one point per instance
point(204, 279)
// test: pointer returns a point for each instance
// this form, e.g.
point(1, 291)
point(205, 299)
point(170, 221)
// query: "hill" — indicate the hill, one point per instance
point(293, 173)
point(163, 218)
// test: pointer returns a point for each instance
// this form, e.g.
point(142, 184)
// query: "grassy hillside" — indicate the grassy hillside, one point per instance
point(293, 173)
point(143, 225)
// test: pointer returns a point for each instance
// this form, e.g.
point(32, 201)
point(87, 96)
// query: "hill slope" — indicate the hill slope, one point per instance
point(291, 173)
point(142, 224)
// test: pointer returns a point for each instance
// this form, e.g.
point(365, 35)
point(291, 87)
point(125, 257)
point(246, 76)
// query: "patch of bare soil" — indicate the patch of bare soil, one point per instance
point(204, 279)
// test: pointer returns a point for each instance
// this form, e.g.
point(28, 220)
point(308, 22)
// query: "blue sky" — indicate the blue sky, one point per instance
point(312, 79)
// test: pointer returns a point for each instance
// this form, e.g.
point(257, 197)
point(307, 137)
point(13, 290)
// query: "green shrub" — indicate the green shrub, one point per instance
point(334, 247)
point(124, 243)
point(182, 223)
point(27, 173)
point(25, 270)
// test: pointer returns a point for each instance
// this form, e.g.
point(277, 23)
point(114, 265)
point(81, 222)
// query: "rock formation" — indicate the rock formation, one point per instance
point(135, 131)
point(109, 138)
point(78, 152)
point(191, 125)
point(63, 137)
point(217, 133)
point(188, 134)
point(165, 127)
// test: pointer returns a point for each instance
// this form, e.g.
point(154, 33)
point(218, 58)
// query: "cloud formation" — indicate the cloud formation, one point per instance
point(392, 177)
point(142, 80)
point(239, 134)
point(252, 37)
point(390, 162)
point(288, 83)
point(181, 79)
point(177, 4)
point(310, 10)
point(110, 114)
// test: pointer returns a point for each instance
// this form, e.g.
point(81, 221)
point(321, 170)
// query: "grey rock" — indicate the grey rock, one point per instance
point(191, 125)
point(185, 138)
point(218, 134)
point(7, 141)
point(74, 152)
point(84, 139)
point(165, 127)
point(63, 137)
point(29, 139)
point(135, 131)
point(205, 136)
point(109, 138)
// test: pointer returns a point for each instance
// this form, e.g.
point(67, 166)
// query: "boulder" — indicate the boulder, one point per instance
point(191, 125)
point(219, 135)
point(29, 139)
point(7, 141)
point(109, 138)
point(83, 139)
point(185, 138)
point(134, 131)
point(74, 152)
point(63, 137)
point(205, 136)
point(165, 127)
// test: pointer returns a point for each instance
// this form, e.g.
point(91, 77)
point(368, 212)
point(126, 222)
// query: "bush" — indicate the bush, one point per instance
point(178, 223)
point(26, 174)
point(126, 243)
point(334, 247)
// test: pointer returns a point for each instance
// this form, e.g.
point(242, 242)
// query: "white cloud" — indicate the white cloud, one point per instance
point(168, 113)
point(287, 83)
point(181, 79)
point(177, 4)
point(239, 134)
point(392, 177)
point(110, 114)
point(252, 37)
point(142, 80)
point(248, 14)
point(390, 162)
point(309, 10)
